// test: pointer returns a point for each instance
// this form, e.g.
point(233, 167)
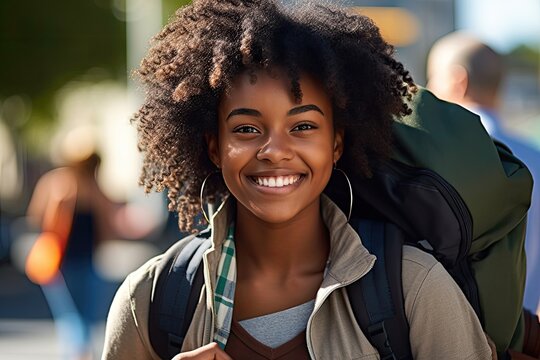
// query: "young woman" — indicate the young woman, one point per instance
point(265, 102)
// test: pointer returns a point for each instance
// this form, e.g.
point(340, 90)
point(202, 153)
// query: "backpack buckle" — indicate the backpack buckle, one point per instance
point(379, 338)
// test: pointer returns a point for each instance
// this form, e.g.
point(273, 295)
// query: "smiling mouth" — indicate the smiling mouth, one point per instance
point(276, 181)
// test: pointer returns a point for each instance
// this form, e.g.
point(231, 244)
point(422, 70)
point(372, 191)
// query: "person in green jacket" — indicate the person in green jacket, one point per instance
point(464, 70)
point(258, 105)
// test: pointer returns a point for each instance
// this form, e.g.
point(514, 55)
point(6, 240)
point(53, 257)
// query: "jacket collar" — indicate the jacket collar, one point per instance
point(348, 258)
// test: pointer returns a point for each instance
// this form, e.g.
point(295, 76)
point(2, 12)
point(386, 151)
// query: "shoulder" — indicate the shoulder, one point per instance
point(127, 322)
point(438, 312)
point(60, 175)
point(423, 275)
point(417, 264)
point(142, 281)
point(414, 257)
point(57, 179)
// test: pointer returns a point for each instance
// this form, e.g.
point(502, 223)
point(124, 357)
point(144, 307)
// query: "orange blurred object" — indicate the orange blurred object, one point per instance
point(44, 259)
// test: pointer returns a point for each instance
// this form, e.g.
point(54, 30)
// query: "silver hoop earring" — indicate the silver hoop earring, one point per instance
point(202, 192)
point(350, 191)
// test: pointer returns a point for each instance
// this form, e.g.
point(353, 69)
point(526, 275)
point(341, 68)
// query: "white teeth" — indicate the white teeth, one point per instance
point(286, 181)
point(277, 181)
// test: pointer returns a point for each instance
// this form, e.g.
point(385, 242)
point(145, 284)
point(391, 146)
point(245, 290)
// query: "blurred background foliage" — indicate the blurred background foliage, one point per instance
point(45, 44)
point(525, 54)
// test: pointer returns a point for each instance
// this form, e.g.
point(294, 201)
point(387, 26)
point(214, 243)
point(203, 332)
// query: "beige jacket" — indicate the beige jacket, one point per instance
point(442, 323)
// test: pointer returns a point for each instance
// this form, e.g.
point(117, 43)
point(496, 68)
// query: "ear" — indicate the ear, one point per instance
point(213, 148)
point(338, 144)
point(460, 81)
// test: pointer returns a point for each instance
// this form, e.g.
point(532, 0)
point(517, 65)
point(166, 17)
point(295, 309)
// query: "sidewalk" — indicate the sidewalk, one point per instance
point(27, 331)
point(36, 339)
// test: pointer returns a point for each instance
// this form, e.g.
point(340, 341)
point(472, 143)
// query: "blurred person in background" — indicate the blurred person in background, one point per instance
point(74, 216)
point(463, 70)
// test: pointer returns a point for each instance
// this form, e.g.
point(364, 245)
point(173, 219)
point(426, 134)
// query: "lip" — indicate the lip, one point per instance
point(276, 172)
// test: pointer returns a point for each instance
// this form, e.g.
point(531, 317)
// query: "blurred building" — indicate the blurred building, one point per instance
point(412, 26)
point(521, 93)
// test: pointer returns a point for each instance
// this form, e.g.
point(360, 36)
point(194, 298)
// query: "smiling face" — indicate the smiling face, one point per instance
point(276, 155)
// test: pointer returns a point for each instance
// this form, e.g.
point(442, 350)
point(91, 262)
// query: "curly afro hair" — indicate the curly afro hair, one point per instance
point(196, 57)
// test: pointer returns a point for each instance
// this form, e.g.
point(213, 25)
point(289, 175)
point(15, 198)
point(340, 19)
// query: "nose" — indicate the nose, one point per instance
point(277, 148)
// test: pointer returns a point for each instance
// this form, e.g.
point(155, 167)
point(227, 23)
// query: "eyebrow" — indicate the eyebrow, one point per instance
point(243, 111)
point(294, 111)
point(304, 108)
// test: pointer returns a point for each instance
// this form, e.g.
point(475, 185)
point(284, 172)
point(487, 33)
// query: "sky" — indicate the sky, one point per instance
point(503, 24)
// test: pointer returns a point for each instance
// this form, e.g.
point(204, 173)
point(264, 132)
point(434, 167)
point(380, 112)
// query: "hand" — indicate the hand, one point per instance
point(492, 347)
point(211, 351)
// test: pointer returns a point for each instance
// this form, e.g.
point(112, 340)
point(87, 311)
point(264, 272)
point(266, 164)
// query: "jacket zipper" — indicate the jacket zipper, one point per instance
point(318, 307)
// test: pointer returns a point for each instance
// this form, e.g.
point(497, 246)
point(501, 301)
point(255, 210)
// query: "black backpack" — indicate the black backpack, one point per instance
point(381, 317)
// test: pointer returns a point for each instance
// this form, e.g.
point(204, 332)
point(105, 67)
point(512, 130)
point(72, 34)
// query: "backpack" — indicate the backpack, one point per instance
point(180, 280)
point(448, 189)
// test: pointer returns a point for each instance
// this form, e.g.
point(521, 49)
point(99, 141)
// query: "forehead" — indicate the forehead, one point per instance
point(249, 87)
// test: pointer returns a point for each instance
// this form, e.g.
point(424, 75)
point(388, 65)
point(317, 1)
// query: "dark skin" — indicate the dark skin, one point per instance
point(281, 240)
point(284, 269)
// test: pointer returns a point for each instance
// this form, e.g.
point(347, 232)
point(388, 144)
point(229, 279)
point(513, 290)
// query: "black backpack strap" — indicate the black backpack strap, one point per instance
point(179, 282)
point(377, 298)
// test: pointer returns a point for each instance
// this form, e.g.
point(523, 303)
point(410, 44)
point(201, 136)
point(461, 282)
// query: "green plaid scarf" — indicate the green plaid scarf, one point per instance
point(224, 295)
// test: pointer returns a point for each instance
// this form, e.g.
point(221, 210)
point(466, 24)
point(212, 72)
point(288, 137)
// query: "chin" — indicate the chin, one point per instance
point(276, 219)
point(274, 214)
point(269, 214)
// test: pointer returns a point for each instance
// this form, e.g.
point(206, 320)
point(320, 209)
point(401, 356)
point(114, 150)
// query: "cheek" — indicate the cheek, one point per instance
point(327, 168)
point(321, 160)
point(234, 157)
point(231, 153)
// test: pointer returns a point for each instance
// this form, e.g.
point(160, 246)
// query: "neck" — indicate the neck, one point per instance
point(485, 102)
point(298, 247)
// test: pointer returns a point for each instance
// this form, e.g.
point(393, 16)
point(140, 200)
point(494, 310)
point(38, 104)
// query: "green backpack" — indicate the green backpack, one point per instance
point(483, 245)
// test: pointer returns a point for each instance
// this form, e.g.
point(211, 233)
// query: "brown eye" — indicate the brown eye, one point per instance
point(304, 127)
point(244, 129)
